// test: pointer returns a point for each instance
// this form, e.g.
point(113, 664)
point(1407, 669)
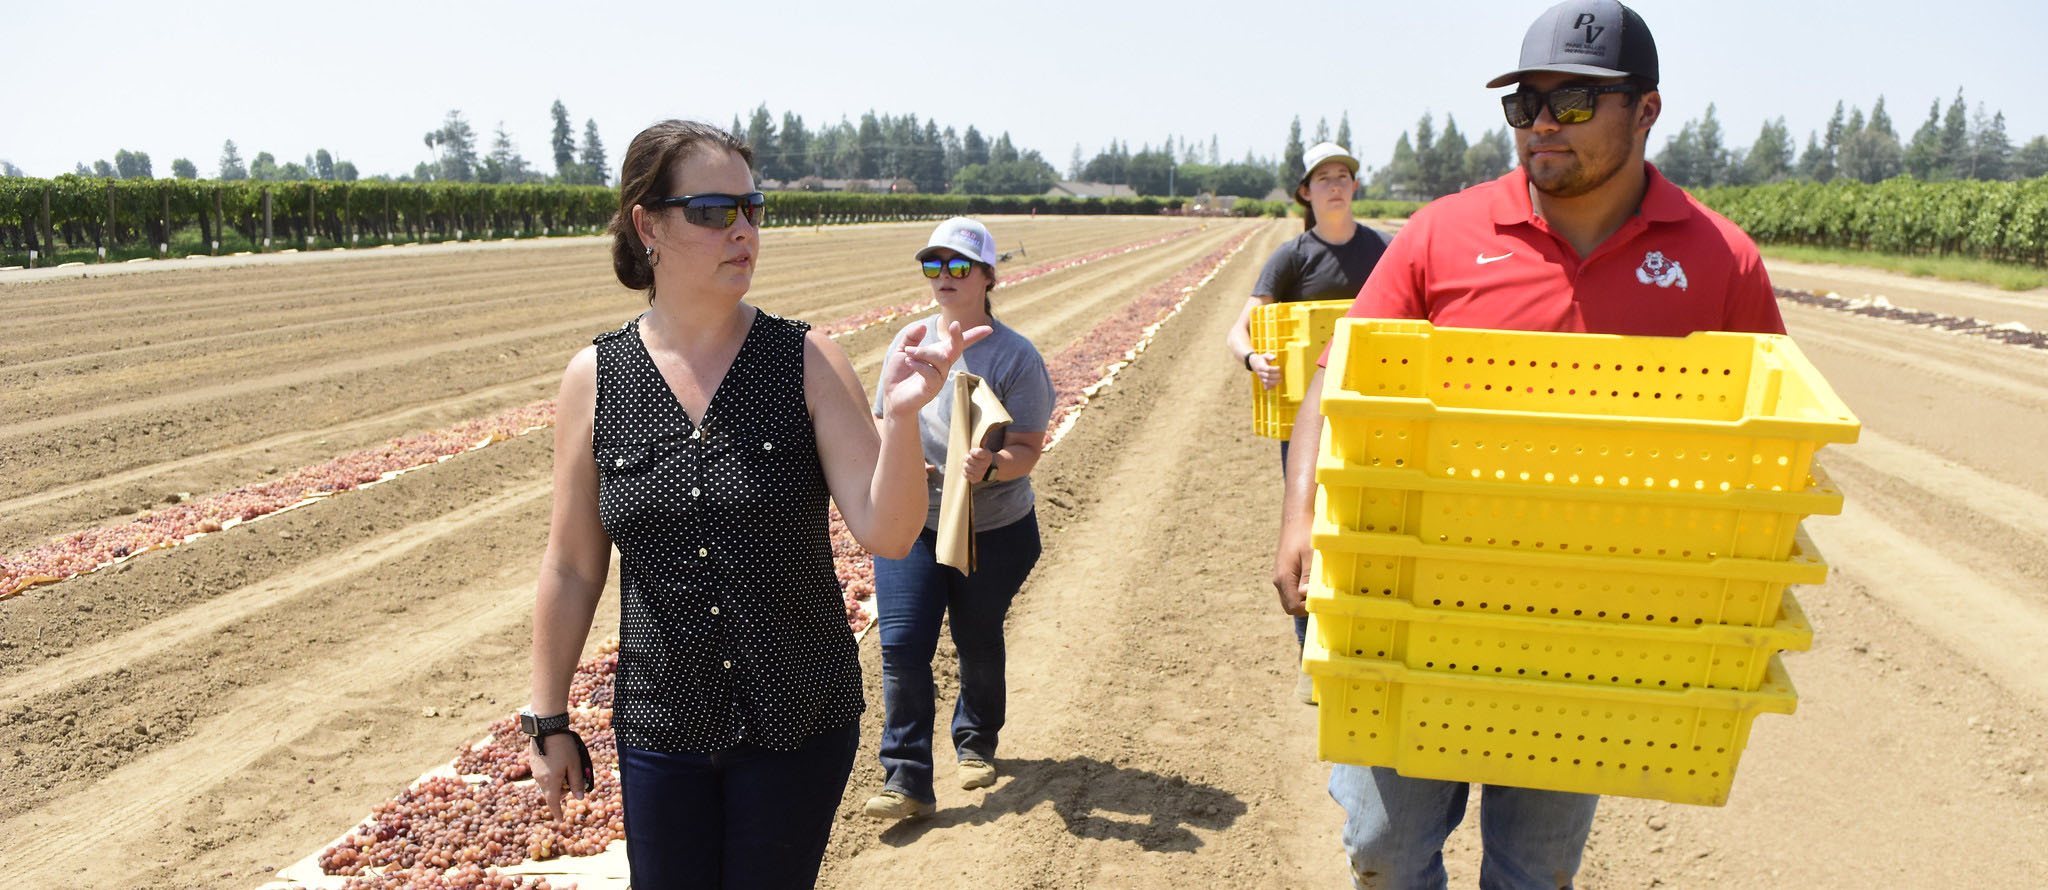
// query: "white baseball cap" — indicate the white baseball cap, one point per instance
point(1325, 151)
point(964, 237)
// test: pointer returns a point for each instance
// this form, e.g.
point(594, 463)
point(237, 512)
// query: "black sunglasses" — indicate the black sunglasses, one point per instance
point(1568, 105)
point(715, 210)
point(955, 267)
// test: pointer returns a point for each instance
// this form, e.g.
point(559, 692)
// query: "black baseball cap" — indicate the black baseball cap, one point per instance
point(1597, 38)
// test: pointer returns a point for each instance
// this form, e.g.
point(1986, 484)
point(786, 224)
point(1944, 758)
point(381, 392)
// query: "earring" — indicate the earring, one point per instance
point(652, 260)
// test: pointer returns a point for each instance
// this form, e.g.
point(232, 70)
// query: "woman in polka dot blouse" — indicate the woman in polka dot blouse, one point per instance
point(703, 440)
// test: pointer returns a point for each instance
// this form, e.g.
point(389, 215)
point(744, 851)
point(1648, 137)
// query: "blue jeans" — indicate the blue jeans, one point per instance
point(743, 817)
point(1395, 826)
point(912, 596)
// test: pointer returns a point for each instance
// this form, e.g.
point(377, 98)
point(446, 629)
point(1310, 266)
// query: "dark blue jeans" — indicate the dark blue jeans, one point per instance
point(912, 596)
point(743, 817)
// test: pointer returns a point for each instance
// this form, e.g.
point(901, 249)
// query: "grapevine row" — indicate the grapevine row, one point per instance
point(43, 220)
point(2006, 221)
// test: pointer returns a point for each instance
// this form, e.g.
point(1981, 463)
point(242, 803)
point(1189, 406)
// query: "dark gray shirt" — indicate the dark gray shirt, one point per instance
point(1309, 268)
point(1008, 361)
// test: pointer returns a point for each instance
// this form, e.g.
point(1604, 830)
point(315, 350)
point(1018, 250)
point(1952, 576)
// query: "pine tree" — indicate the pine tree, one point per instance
point(231, 168)
point(1956, 161)
point(2032, 159)
point(793, 148)
point(1880, 122)
point(1291, 158)
point(1990, 148)
point(563, 139)
point(1713, 156)
point(1923, 154)
point(598, 169)
point(1770, 157)
point(974, 148)
point(1344, 132)
point(761, 136)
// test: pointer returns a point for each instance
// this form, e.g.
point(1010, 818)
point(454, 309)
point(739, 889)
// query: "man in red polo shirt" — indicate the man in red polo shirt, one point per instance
point(1584, 236)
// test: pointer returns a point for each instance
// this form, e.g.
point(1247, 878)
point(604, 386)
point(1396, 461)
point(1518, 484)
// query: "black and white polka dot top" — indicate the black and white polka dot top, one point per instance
point(732, 626)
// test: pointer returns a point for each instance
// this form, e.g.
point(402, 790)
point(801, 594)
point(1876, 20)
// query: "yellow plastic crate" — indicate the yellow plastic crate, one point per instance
point(1711, 412)
point(1748, 523)
point(1636, 656)
point(1676, 745)
point(1615, 590)
point(1296, 333)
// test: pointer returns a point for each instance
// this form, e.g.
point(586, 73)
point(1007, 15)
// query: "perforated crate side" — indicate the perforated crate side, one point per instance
point(1499, 644)
point(1681, 746)
point(1709, 412)
point(1603, 588)
point(1540, 517)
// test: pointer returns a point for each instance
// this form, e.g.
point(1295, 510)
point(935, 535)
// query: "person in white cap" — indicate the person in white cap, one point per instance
point(915, 594)
point(1329, 260)
point(1584, 236)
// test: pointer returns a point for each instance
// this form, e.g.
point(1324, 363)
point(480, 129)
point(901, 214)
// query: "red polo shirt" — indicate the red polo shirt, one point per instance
point(1482, 258)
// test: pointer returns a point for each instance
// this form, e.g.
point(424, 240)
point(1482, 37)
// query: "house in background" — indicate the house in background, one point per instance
point(1069, 189)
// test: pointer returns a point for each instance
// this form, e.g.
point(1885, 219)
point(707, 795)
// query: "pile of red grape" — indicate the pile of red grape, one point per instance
point(1093, 358)
point(92, 549)
point(468, 877)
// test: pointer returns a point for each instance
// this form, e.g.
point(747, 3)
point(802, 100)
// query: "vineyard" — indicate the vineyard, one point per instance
point(2005, 221)
point(272, 556)
point(78, 218)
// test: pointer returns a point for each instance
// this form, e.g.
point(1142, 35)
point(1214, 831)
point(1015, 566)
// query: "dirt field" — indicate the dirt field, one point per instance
point(194, 717)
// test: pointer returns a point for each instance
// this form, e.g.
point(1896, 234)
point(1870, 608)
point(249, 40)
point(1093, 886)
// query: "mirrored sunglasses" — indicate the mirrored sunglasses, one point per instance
point(715, 210)
point(1568, 105)
point(955, 267)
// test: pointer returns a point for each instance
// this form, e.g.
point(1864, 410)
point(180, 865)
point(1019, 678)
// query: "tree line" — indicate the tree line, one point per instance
point(453, 146)
point(1952, 144)
point(885, 152)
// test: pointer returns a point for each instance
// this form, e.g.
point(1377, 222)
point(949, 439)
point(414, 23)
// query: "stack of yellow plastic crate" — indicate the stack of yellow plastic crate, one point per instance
point(1295, 333)
point(1559, 560)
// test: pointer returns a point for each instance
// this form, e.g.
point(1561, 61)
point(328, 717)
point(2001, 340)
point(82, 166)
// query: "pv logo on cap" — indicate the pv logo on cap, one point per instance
point(1584, 39)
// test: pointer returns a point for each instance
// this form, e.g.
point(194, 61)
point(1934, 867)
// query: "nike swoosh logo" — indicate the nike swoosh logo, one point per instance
point(1483, 259)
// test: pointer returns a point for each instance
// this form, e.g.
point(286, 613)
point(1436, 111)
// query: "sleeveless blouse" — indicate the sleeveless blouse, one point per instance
point(732, 626)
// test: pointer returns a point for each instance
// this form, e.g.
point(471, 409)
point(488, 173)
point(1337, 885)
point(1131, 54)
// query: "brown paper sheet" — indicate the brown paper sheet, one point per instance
point(976, 411)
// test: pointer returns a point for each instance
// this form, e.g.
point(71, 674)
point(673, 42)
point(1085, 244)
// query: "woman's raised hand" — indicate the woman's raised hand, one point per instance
point(915, 370)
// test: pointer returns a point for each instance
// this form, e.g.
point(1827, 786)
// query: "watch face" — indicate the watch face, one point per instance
point(528, 724)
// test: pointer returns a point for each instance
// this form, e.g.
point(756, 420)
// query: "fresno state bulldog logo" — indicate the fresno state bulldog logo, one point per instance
point(1660, 270)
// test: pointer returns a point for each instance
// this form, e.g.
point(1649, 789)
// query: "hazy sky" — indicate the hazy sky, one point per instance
point(366, 79)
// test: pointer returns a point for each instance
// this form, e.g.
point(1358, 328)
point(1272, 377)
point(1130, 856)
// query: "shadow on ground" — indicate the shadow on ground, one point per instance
point(1097, 800)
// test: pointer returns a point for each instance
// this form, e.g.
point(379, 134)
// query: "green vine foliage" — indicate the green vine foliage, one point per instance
point(150, 217)
point(2001, 221)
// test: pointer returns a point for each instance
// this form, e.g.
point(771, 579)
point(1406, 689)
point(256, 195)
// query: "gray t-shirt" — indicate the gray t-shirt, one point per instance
point(1014, 368)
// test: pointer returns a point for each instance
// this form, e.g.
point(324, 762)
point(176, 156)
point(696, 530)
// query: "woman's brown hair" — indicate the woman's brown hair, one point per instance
point(646, 174)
